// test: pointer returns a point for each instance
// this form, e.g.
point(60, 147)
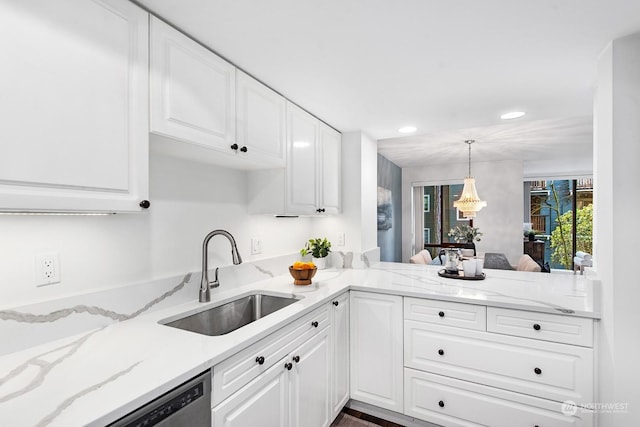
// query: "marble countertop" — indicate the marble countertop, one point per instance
point(95, 377)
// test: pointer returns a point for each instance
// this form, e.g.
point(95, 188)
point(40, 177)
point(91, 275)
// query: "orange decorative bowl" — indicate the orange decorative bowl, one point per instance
point(302, 276)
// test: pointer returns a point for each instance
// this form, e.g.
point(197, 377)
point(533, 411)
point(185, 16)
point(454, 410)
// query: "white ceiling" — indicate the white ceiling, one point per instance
point(449, 67)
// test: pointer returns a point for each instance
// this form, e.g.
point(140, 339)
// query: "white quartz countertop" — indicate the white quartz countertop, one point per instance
point(95, 377)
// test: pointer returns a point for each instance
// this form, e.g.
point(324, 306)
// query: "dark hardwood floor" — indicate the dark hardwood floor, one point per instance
point(352, 418)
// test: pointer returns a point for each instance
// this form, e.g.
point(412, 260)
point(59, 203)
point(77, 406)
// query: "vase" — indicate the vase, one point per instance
point(321, 263)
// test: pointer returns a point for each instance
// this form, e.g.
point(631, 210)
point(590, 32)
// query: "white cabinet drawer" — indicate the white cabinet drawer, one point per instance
point(542, 326)
point(451, 402)
point(446, 313)
point(540, 368)
point(233, 373)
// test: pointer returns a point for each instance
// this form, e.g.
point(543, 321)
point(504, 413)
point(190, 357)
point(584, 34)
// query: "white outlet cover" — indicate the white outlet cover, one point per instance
point(47, 268)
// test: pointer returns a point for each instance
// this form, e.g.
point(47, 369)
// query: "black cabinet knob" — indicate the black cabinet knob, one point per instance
point(260, 360)
point(441, 404)
point(336, 303)
point(288, 366)
point(320, 210)
point(538, 371)
point(234, 146)
point(314, 324)
point(145, 204)
point(536, 326)
point(441, 314)
point(441, 352)
point(244, 149)
point(296, 359)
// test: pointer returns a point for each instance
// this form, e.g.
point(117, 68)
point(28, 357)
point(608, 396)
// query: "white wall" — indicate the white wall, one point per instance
point(499, 183)
point(616, 174)
point(187, 200)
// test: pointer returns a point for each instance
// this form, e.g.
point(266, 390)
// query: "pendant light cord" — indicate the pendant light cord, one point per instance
point(469, 142)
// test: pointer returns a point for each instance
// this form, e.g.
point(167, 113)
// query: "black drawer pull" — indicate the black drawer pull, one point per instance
point(243, 149)
point(441, 404)
point(234, 146)
point(441, 314)
point(336, 303)
point(536, 326)
point(441, 352)
point(288, 366)
point(314, 324)
point(538, 371)
point(260, 360)
point(296, 359)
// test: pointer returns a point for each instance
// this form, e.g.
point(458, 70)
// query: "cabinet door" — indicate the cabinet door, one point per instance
point(263, 402)
point(311, 379)
point(74, 105)
point(340, 353)
point(302, 139)
point(376, 349)
point(260, 121)
point(329, 179)
point(192, 90)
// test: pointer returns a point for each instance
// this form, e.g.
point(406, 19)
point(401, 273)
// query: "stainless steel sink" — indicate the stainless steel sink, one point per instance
point(228, 317)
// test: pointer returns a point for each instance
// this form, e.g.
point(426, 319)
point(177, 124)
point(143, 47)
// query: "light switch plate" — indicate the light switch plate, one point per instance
point(256, 246)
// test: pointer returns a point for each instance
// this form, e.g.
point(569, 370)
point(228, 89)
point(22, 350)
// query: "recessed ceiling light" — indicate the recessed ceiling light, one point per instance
point(512, 115)
point(407, 129)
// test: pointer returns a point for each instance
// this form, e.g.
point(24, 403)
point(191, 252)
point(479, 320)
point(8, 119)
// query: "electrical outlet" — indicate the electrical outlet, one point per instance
point(47, 268)
point(256, 246)
point(340, 238)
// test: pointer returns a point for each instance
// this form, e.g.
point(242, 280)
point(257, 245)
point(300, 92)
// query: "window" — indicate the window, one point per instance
point(435, 215)
point(551, 214)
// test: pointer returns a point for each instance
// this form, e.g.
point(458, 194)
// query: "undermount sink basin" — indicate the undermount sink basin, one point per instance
point(228, 317)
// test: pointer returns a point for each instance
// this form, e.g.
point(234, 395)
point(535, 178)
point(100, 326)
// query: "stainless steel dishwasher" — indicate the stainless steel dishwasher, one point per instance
point(188, 404)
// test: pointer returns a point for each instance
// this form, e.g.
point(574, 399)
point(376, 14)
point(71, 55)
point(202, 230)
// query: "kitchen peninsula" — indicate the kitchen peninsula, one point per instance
point(96, 376)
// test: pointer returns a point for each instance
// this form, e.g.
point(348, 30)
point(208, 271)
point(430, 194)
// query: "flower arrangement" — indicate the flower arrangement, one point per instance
point(318, 248)
point(465, 234)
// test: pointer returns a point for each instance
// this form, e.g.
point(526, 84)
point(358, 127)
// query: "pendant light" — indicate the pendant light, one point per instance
point(469, 202)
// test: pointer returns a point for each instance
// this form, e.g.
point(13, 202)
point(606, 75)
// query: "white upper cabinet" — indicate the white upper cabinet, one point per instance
point(260, 121)
point(192, 90)
point(310, 183)
point(329, 181)
point(223, 115)
point(302, 165)
point(74, 106)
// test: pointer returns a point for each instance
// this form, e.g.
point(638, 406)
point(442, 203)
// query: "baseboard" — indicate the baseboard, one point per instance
point(385, 414)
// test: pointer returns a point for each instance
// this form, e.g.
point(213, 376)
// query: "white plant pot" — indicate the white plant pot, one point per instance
point(321, 263)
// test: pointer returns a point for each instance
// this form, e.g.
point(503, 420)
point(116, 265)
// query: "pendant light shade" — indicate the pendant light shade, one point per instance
point(469, 202)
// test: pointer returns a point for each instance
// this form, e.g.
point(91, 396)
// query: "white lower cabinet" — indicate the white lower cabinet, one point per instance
point(376, 349)
point(339, 353)
point(459, 374)
point(293, 392)
point(310, 379)
point(450, 402)
point(284, 379)
point(263, 402)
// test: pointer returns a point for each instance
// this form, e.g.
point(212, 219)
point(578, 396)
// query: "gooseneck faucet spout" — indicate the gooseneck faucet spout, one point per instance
point(205, 293)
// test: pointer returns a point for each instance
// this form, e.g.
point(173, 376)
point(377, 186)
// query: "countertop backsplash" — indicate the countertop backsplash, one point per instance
point(44, 321)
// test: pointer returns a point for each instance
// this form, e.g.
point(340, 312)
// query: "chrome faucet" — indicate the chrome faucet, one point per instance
point(205, 294)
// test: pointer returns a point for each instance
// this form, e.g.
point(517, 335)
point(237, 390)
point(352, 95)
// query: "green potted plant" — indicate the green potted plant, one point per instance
point(319, 250)
point(531, 234)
